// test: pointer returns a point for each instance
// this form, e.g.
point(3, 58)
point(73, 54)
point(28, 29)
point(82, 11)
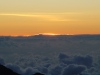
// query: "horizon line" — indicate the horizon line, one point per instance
point(45, 35)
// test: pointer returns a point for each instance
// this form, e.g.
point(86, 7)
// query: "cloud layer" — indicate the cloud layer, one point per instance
point(57, 55)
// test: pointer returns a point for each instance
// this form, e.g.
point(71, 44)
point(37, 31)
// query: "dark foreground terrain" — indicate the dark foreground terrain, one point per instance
point(6, 71)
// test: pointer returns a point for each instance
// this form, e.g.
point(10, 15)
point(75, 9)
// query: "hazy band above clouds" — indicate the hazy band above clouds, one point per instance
point(47, 17)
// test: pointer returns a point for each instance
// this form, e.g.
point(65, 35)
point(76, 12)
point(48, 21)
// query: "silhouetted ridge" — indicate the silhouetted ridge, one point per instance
point(6, 71)
point(38, 74)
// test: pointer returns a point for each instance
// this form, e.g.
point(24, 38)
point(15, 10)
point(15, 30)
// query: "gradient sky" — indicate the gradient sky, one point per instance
point(29, 17)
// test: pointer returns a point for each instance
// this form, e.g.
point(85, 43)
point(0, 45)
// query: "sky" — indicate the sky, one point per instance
point(30, 17)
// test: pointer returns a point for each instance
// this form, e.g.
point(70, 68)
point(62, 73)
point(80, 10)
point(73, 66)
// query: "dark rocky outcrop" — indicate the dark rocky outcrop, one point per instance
point(38, 74)
point(6, 71)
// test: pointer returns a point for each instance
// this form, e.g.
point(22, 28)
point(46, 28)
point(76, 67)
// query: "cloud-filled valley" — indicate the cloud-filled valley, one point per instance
point(51, 55)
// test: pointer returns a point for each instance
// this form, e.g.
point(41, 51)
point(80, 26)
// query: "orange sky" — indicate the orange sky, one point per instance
point(55, 16)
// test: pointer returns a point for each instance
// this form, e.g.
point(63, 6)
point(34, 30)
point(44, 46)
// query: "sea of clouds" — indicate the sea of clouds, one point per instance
point(51, 55)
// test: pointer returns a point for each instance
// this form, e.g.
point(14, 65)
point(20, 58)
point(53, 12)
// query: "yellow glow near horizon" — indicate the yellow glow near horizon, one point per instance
point(50, 34)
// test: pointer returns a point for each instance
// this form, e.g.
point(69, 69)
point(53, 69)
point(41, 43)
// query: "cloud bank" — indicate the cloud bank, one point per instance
point(58, 55)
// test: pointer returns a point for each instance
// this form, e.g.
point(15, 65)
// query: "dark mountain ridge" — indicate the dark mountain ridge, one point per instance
point(6, 71)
